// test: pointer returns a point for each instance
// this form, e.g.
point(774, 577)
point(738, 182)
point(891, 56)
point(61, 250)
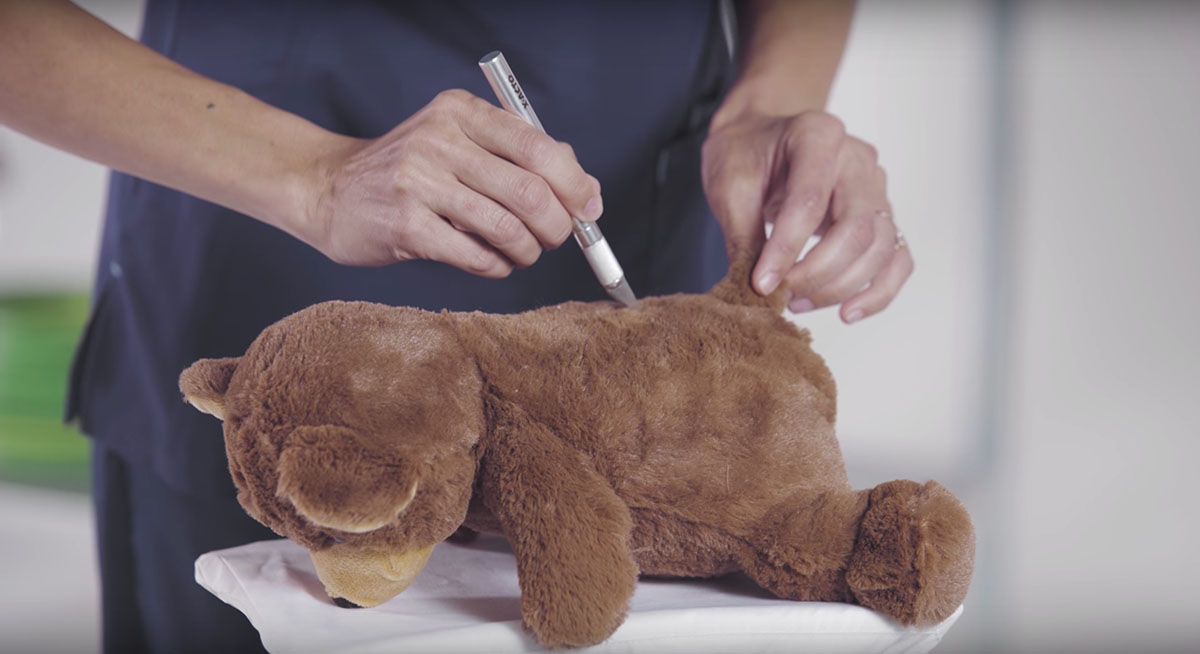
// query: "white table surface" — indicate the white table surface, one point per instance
point(467, 600)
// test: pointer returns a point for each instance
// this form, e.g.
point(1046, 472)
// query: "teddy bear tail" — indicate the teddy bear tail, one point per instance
point(737, 286)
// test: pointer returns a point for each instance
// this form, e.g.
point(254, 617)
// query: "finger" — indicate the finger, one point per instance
point(431, 237)
point(525, 195)
point(883, 289)
point(812, 148)
point(857, 275)
point(854, 216)
point(733, 184)
point(471, 212)
point(506, 135)
point(851, 237)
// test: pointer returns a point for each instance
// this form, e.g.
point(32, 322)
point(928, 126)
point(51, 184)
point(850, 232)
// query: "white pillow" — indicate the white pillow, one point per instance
point(467, 600)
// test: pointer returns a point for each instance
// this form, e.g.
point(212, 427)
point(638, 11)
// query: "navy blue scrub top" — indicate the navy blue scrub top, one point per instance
point(630, 85)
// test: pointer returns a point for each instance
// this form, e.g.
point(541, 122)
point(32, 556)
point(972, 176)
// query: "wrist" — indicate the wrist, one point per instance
point(768, 96)
point(304, 184)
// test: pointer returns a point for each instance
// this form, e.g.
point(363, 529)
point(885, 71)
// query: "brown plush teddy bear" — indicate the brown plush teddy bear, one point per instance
point(690, 436)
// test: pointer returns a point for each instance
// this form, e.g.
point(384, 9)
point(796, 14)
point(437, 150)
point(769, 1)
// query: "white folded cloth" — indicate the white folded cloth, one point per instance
point(467, 600)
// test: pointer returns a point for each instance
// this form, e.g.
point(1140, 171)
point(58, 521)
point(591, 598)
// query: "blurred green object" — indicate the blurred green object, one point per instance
point(37, 340)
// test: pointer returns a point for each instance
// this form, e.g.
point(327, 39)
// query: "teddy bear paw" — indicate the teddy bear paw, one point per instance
point(914, 553)
point(572, 619)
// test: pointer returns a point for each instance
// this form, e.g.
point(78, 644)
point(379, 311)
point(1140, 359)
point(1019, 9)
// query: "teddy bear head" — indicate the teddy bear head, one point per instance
point(333, 431)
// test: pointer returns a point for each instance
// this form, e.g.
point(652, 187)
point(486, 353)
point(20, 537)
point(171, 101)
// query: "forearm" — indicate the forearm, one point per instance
point(70, 80)
point(789, 54)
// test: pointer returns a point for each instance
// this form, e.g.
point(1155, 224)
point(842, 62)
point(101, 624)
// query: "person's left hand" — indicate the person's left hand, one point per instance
point(805, 175)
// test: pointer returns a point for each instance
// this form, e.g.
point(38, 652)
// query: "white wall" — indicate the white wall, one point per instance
point(915, 82)
point(1103, 425)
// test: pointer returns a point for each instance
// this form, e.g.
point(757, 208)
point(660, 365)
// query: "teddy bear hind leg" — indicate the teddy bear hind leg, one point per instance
point(804, 544)
point(914, 553)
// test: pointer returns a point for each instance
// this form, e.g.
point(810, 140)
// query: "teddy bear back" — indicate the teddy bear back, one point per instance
point(687, 401)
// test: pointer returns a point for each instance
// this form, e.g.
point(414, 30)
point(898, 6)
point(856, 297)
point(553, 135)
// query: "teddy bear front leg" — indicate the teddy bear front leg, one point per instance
point(915, 553)
point(569, 530)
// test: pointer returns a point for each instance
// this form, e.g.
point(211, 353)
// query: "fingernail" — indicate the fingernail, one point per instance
point(593, 208)
point(855, 315)
point(800, 305)
point(768, 282)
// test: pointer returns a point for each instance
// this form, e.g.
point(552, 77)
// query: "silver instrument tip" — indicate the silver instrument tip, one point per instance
point(621, 292)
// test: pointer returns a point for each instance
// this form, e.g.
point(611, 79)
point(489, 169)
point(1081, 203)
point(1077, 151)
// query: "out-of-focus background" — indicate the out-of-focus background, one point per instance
point(1044, 162)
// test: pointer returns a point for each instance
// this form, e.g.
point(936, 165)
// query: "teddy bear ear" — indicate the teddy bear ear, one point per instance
point(338, 480)
point(205, 382)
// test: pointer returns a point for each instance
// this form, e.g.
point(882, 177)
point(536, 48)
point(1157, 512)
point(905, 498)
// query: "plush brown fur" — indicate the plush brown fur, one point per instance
point(689, 436)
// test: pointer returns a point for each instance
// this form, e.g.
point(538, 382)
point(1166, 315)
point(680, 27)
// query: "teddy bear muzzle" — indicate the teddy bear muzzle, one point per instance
point(367, 577)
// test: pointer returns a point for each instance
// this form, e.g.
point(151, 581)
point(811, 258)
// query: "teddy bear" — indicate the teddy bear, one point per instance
point(688, 436)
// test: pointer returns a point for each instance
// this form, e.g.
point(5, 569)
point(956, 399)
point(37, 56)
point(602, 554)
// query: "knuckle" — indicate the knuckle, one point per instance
point(820, 122)
point(475, 103)
point(451, 98)
point(411, 172)
point(810, 280)
point(533, 194)
point(771, 208)
point(876, 300)
point(867, 307)
point(819, 297)
point(781, 250)
point(729, 189)
point(499, 270)
point(869, 151)
point(504, 228)
point(435, 130)
point(560, 235)
point(535, 149)
point(402, 231)
point(862, 234)
point(832, 125)
point(480, 262)
point(528, 257)
point(807, 199)
point(401, 254)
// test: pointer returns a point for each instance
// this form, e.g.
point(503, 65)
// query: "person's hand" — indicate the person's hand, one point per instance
point(461, 181)
point(805, 175)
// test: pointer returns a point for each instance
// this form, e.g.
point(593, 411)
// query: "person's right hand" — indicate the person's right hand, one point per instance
point(461, 181)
